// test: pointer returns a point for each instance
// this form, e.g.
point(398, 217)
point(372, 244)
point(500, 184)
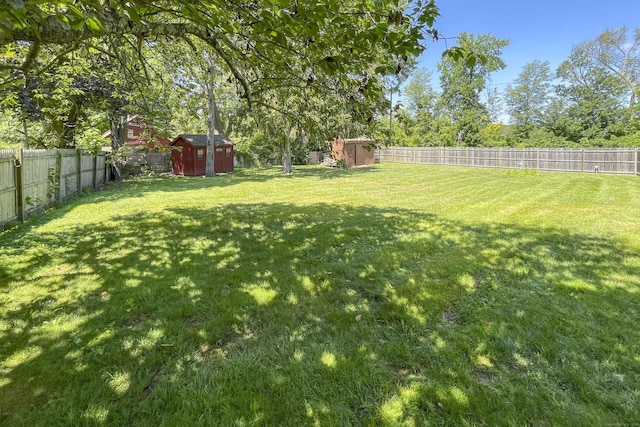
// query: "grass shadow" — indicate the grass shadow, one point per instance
point(139, 186)
point(277, 314)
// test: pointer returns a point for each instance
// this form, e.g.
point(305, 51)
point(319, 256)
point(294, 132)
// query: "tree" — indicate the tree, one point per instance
point(393, 83)
point(527, 98)
point(420, 95)
point(619, 56)
point(61, 95)
point(463, 78)
point(262, 43)
point(591, 102)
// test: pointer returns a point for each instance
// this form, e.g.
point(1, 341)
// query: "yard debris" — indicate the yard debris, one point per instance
point(449, 317)
point(330, 162)
point(152, 384)
point(358, 317)
point(382, 341)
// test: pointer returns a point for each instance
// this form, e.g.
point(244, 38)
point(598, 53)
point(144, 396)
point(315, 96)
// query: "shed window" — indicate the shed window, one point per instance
point(129, 133)
point(228, 152)
point(200, 153)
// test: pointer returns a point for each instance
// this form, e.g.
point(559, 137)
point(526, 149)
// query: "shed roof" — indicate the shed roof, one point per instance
point(200, 140)
point(359, 139)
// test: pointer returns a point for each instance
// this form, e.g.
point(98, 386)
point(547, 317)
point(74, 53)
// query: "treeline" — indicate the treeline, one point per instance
point(590, 100)
point(284, 73)
point(281, 87)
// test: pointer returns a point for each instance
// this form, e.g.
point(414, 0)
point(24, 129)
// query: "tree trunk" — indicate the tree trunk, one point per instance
point(118, 123)
point(286, 157)
point(214, 123)
point(391, 117)
point(25, 131)
point(211, 122)
point(68, 137)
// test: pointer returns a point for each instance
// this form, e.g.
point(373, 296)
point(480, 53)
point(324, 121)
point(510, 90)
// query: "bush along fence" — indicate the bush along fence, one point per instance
point(32, 180)
point(591, 160)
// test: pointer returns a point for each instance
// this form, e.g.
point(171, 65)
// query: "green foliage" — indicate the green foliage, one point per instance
point(91, 140)
point(464, 81)
point(630, 140)
point(593, 107)
point(364, 41)
point(11, 137)
point(495, 135)
point(119, 156)
point(539, 137)
point(263, 150)
point(313, 67)
point(529, 96)
point(619, 55)
point(595, 101)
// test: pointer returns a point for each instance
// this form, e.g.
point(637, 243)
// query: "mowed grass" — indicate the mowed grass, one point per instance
point(383, 296)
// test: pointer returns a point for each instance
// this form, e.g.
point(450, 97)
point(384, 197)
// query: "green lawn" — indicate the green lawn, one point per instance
point(389, 295)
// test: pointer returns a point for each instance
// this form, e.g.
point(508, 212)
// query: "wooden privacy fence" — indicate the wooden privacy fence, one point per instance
point(598, 160)
point(31, 180)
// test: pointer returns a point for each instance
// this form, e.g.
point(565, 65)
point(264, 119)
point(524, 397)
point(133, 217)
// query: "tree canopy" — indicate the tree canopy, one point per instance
point(266, 49)
point(591, 99)
point(260, 41)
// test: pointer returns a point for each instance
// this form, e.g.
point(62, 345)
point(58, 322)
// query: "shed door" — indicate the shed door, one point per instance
point(350, 154)
point(219, 159)
point(177, 162)
point(228, 159)
point(199, 160)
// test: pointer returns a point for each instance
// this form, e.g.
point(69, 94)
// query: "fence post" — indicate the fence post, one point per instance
point(95, 173)
point(19, 175)
point(60, 177)
point(79, 171)
point(582, 160)
point(538, 158)
point(637, 160)
point(499, 158)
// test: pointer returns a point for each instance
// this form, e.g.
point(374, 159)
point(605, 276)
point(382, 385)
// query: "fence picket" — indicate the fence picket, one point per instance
point(587, 160)
point(31, 180)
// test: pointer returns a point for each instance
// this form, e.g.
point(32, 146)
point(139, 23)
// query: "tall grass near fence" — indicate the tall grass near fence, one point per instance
point(389, 295)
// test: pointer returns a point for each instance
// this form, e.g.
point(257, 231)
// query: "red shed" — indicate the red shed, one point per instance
point(190, 160)
point(354, 152)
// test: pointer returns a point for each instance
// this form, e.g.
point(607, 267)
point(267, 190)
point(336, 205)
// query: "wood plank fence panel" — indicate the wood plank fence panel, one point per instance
point(31, 180)
point(619, 162)
point(68, 173)
point(613, 161)
point(8, 190)
point(38, 178)
point(101, 171)
point(563, 160)
point(86, 171)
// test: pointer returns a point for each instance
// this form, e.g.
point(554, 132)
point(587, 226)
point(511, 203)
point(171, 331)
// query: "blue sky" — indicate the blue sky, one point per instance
point(544, 30)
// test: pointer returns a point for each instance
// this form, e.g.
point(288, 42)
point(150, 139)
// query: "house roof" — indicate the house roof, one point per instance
point(131, 119)
point(200, 140)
